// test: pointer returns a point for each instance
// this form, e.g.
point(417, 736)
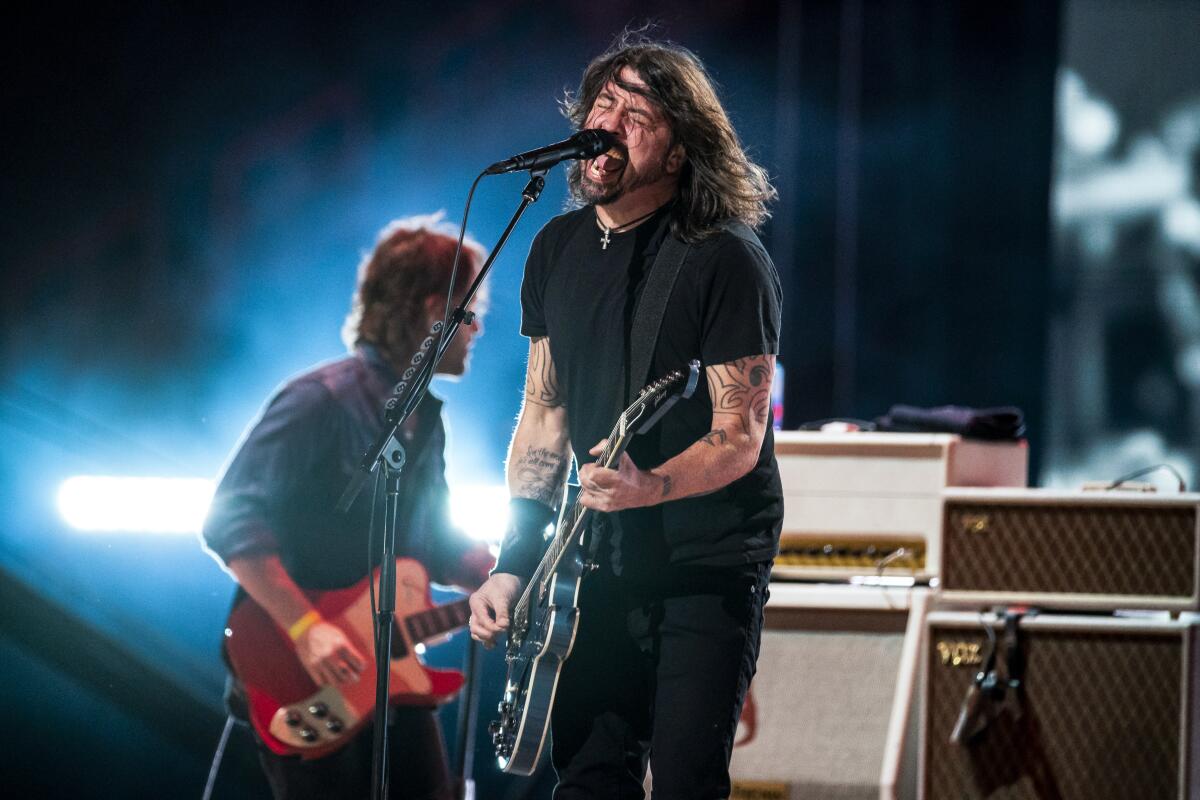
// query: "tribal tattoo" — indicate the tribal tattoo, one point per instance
point(666, 481)
point(541, 379)
point(741, 388)
point(540, 474)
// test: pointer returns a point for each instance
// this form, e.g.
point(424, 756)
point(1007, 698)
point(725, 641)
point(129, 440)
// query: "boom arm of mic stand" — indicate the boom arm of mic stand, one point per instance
point(383, 451)
point(412, 392)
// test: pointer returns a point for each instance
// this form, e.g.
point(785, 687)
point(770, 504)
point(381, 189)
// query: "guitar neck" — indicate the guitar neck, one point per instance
point(436, 621)
point(572, 521)
point(652, 402)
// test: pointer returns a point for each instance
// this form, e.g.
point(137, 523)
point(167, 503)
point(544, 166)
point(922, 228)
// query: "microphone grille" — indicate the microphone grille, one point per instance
point(595, 141)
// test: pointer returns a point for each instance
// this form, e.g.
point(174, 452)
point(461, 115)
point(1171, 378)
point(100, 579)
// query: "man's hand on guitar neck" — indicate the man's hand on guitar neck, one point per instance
point(605, 489)
point(492, 605)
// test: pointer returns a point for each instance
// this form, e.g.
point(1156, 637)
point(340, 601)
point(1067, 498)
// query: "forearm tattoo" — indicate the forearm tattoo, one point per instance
point(541, 379)
point(666, 481)
point(741, 388)
point(540, 474)
point(714, 438)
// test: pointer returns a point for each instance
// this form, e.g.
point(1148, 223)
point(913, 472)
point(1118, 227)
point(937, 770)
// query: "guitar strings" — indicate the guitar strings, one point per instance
point(560, 542)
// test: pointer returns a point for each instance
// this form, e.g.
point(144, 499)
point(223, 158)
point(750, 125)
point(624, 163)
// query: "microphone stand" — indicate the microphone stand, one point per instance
point(388, 452)
point(464, 759)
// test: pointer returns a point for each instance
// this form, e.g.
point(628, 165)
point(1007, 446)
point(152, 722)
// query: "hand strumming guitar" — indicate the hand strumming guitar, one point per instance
point(492, 605)
point(328, 655)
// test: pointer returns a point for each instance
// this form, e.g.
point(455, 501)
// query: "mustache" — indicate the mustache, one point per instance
point(619, 150)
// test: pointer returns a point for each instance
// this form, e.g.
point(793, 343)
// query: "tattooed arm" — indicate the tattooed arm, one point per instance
point(538, 461)
point(741, 396)
point(540, 452)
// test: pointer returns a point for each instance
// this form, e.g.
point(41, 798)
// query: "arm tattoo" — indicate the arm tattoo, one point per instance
point(541, 379)
point(666, 479)
point(540, 473)
point(714, 438)
point(741, 388)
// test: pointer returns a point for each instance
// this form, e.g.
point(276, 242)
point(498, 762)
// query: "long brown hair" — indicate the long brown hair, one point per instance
point(718, 181)
point(411, 261)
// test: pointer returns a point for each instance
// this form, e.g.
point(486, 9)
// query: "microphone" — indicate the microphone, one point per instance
point(970, 713)
point(585, 144)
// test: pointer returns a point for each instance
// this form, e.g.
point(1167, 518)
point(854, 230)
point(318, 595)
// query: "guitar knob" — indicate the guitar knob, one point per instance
point(308, 734)
point(334, 725)
point(293, 718)
point(318, 710)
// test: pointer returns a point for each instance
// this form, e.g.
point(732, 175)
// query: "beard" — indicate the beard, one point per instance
point(598, 194)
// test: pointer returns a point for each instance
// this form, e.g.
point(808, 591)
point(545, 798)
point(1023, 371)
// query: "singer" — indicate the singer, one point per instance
point(274, 525)
point(670, 621)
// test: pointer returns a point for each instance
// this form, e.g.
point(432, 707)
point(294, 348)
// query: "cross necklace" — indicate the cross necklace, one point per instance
point(605, 241)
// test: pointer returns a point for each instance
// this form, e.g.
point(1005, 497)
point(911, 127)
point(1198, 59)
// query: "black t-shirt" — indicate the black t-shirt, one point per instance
point(725, 305)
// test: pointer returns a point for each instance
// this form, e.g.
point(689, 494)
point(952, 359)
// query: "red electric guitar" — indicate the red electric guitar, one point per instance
point(295, 716)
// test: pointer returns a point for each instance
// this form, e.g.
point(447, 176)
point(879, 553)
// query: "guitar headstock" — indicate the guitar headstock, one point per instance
point(654, 400)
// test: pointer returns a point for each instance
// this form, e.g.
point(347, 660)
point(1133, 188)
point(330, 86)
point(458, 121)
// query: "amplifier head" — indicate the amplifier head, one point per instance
point(1071, 550)
point(870, 503)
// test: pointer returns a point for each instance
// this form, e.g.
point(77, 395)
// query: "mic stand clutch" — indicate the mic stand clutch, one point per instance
point(388, 451)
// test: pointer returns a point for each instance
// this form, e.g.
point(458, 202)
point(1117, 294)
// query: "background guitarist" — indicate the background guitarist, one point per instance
point(273, 522)
point(670, 621)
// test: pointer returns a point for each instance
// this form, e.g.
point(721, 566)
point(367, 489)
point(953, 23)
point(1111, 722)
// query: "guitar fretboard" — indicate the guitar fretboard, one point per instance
point(433, 622)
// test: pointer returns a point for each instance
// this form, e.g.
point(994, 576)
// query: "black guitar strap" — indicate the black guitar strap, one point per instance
point(648, 313)
point(652, 305)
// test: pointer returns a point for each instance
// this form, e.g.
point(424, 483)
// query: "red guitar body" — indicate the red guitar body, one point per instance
point(295, 716)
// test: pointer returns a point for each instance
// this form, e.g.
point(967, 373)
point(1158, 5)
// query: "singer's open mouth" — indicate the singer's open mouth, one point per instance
point(607, 166)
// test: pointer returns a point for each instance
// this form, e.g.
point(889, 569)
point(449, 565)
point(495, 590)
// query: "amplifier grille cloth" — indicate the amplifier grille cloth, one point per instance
point(821, 706)
point(1102, 720)
point(1070, 549)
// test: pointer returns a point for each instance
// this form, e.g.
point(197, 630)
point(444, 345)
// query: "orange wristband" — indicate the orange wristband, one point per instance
point(304, 623)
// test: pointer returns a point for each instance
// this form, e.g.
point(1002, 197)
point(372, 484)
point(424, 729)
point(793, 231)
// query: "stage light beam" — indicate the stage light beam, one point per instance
point(110, 504)
point(113, 504)
point(481, 510)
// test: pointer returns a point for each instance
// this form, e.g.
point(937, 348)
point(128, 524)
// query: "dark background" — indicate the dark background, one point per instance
point(187, 194)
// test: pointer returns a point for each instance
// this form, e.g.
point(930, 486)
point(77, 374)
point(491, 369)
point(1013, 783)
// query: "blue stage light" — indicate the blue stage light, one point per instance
point(103, 503)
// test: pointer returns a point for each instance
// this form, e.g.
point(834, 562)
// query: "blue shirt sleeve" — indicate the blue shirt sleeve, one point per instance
point(277, 450)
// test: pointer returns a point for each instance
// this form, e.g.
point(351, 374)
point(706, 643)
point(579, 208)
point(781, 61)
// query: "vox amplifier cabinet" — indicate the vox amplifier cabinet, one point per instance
point(870, 503)
point(1104, 708)
point(830, 712)
point(1070, 550)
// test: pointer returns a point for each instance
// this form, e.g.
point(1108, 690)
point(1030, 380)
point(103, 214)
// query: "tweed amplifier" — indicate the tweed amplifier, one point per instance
point(870, 503)
point(1105, 708)
point(1070, 550)
point(830, 712)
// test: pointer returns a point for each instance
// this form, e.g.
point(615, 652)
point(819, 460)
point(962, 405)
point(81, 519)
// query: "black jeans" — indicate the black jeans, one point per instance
point(418, 765)
point(657, 673)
